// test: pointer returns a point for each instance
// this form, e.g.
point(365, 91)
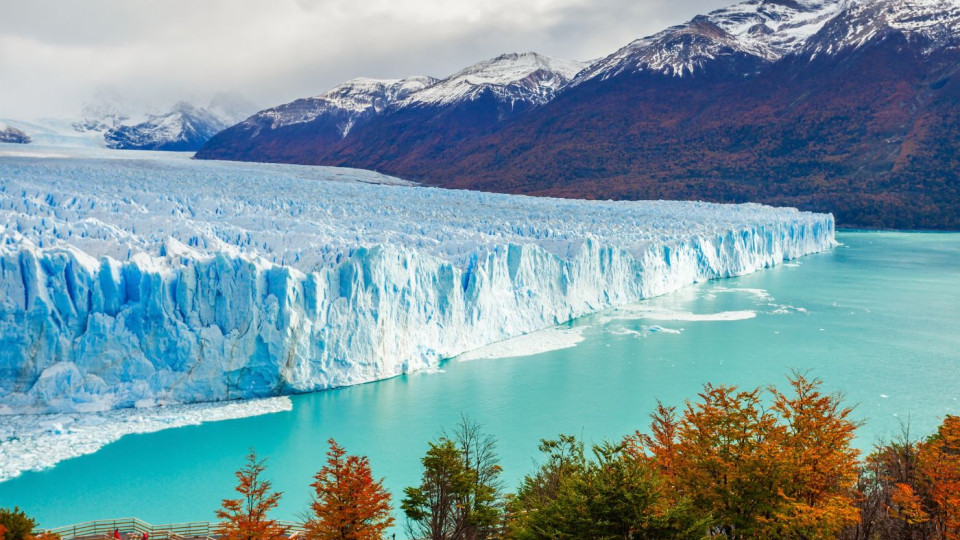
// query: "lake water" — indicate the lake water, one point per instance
point(878, 319)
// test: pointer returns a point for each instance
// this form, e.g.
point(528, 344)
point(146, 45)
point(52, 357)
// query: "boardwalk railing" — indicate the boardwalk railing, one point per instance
point(133, 527)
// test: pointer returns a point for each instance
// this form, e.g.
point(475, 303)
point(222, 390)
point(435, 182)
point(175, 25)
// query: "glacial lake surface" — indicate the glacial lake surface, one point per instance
point(877, 318)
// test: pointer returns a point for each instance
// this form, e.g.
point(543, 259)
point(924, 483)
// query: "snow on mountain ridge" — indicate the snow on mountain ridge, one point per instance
point(937, 21)
point(185, 127)
point(527, 77)
point(349, 101)
point(768, 30)
point(764, 29)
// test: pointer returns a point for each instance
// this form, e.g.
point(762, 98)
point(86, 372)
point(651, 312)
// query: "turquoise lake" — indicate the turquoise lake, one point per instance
point(877, 318)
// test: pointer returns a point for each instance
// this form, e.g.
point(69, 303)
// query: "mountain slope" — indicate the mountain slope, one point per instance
point(320, 120)
point(418, 112)
point(10, 134)
point(185, 127)
point(744, 35)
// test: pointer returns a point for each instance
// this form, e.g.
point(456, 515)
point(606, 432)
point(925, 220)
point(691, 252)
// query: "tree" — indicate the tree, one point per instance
point(3, 531)
point(616, 494)
point(431, 508)
point(246, 518)
point(461, 494)
point(17, 524)
point(938, 462)
point(818, 461)
point(348, 504)
point(480, 508)
point(784, 472)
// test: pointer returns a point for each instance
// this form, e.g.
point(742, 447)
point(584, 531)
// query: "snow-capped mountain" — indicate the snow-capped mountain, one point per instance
point(935, 23)
point(478, 96)
point(758, 30)
point(10, 134)
point(186, 127)
point(525, 78)
point(342, 107)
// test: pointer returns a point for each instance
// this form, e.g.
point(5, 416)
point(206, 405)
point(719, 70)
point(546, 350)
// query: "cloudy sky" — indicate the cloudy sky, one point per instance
point(55, 55)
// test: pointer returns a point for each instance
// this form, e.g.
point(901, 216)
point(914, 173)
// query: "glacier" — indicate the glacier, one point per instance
point(148, 280)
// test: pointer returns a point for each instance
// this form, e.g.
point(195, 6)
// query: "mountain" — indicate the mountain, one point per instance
point(404, 115)
point(322, 120)
point(745, 35)
point(10, 134)
point(850, 107)
point(185, 127)
point(105, 111)
point(515, 81)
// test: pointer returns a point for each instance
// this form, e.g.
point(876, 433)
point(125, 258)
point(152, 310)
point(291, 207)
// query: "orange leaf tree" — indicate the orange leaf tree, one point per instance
point(349, 504)
point(939, 464)
point(246, 518)
point(783, 471)
point(817, 459)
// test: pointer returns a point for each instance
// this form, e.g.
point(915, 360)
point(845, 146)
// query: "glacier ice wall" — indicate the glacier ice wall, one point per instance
point(138, 281)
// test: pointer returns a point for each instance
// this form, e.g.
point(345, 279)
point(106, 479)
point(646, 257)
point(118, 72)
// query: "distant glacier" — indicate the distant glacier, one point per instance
point(147, 280)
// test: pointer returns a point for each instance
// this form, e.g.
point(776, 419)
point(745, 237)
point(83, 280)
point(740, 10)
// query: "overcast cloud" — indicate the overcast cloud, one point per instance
point(54, 55)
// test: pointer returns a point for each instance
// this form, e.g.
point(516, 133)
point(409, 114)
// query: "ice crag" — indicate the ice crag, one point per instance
point(143, 280)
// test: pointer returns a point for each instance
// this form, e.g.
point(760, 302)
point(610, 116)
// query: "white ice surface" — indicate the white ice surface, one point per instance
point(541, 341)
point(138, 278)
point(35, 442)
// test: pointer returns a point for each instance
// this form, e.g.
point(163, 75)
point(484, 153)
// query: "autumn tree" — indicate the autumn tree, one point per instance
point(348, 504)
point(938, 461)
point(3, 532)
point(910, 488)
point(889, 506)
point(246, 518)
point(818, 461)
point(780, 471)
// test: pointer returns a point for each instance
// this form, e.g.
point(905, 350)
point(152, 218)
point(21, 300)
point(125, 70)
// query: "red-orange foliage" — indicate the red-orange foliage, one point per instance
point(246, 518)
point(911, 489)
point(787, 471)
point(3, 531)
point(939, 465)
point(349, 504)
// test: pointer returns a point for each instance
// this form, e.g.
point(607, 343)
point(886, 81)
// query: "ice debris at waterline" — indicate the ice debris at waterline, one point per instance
point(151, 280)
point(36, 442)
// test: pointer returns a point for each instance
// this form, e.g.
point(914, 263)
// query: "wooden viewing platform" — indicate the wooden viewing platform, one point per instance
point(133, 529)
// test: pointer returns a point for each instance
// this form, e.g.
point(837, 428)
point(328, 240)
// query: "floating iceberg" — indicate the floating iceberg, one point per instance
point(152, 279)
